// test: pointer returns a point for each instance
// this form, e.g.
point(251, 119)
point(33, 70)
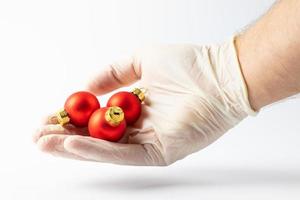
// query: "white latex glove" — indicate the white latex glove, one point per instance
point(194, 95)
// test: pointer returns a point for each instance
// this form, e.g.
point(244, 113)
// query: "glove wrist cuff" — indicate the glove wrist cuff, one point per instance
point(244, 99)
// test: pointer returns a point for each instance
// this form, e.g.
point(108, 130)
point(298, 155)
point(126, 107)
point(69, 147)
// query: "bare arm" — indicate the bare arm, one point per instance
point(269, 54)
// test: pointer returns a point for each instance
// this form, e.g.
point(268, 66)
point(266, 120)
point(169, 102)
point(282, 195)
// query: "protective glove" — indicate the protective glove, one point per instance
point(194, 95)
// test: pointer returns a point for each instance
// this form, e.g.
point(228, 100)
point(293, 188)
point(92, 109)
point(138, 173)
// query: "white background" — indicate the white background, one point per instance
point(48, 49)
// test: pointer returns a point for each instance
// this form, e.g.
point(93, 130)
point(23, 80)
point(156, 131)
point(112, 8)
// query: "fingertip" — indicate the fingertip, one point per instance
point(45, 144)
point(91, 86)
point(41, 132)
point(113, 76)
point(49, 130)
point(35, 135)
point(51, 143)
point(100, 82)
point(50, 119)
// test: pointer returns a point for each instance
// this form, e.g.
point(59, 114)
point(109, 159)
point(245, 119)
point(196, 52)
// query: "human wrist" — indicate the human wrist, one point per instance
point(269, 75)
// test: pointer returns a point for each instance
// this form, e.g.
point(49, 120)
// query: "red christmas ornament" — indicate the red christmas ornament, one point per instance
point(130, 102)
point(78, 108)
point(107, 123)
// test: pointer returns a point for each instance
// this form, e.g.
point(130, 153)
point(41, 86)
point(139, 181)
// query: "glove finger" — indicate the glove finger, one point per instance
point(53, 144)
point(110, 152)
point(58, 130)
point(68, 155)
point(50, 119)
point(119, 74)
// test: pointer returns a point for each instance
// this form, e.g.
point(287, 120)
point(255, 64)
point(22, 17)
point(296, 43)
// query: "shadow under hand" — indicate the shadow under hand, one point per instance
point(161, 179)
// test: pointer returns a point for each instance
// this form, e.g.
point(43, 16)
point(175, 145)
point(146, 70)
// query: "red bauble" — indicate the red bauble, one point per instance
point(103, 128)
point(80, 106)
point(130, 104)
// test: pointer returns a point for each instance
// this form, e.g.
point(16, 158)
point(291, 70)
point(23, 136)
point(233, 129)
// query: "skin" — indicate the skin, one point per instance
point(269, 54)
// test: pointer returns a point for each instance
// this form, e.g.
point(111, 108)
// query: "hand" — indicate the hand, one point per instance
point(194, 95)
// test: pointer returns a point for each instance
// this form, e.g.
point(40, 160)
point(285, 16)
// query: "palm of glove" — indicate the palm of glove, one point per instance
point(194, 95)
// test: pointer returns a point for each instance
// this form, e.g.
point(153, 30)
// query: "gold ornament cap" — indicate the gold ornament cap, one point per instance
point(114, 115)
point(62, 117)
point(139, 93)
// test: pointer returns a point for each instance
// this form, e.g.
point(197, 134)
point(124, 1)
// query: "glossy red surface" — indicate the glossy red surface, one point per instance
point(129, 103)
point(99, 128)
point(80, 106)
